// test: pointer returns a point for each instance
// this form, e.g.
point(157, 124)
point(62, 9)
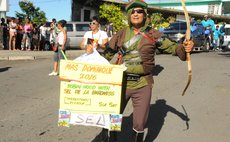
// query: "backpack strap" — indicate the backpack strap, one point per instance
point(147, 37)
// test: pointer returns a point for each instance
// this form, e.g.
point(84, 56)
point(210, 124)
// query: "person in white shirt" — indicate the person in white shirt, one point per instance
point(95, 34)
point(61, 42)
point(53, 31)
point(43, 35)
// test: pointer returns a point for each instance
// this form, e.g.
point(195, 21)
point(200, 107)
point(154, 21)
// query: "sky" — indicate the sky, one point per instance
point(59, 9)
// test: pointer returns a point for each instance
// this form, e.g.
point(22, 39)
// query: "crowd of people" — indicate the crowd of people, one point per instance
point(215, 32)
point(23, 34)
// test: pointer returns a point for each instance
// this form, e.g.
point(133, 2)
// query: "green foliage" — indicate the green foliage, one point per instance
point(165, 24)
point(158, 20)
point(113, 13)
point(171, 19)
point(29, 10)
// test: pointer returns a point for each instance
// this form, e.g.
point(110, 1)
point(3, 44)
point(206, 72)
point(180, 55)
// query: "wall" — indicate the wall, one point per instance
point(4, 7)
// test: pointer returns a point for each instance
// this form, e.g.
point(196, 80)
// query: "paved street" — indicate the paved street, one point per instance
point(29, 101)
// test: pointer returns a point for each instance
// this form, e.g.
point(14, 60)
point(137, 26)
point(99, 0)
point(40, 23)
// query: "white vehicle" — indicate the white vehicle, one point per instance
point(75, 33)
point(227, 37)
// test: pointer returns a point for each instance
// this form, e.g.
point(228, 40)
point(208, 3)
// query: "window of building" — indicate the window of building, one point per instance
point(86, 15)
point(213, 8)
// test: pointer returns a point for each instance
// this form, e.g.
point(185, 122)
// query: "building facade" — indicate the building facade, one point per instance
point(4, 7)
point(213, 7)
point(83, 10)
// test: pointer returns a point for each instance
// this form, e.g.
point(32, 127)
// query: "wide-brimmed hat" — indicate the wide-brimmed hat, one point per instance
point(136, 3)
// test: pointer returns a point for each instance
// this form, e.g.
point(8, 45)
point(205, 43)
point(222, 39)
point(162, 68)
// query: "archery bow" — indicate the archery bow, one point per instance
point(187, 37)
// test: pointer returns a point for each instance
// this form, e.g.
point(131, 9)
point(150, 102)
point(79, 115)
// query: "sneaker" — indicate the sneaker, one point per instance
point(216, 49)
point(53, 74)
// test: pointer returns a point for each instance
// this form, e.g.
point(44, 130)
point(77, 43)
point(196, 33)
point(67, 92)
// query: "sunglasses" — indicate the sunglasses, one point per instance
point(93, 23)
point(139, 11)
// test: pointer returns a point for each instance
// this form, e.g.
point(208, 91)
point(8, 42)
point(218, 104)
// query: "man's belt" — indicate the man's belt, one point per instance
point(133, 63)
point(132, 77)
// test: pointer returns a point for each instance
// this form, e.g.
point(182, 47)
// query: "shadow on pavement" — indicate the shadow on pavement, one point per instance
point(157, 115)
point(157, 69)
point(225, 53)
point(4, 69)
point(158, 112)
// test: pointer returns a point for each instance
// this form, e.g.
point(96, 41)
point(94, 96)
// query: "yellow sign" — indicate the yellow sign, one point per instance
point(91, 73)
point(90, 88)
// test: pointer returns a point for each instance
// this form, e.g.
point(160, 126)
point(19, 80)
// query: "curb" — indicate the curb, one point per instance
point(4, 58)
point(13, 58)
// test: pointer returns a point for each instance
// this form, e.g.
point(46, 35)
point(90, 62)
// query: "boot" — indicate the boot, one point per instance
point(113, 136)
point(137, 137)
point(104, 137)
point(108, 136)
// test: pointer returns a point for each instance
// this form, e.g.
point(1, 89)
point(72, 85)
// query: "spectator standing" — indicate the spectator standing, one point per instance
point(212, 26)
point(221, 36)
point(4, 33)
point(216, 34)
point(35, 40)
point(109, 29)
point(19, 36)
point(27, 36)
point(136, 45)
point(53, 31)
point(208, 25)
point(61, 42)
point(43, 35)
point(12, 34)
point(95, 34)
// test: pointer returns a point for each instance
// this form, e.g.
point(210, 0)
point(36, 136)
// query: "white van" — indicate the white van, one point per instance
point(227, 37)
point(75, 33)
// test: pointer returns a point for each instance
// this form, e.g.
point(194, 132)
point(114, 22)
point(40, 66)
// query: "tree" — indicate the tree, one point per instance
point(29, 10)
point(158, 20)
point(171, 19)
point(113, 13)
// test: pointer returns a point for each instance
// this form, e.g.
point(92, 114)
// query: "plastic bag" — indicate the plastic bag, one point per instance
point(95, 57)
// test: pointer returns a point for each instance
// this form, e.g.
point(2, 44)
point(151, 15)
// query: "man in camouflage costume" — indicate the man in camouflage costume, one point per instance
point(136, 46)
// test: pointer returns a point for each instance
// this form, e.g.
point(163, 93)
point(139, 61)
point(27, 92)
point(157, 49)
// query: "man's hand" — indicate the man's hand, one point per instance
point(89, 49)
point(188, 45)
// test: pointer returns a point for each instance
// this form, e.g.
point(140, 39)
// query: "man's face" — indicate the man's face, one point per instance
point(94, 25)
point(205, 18)
point(137, 16)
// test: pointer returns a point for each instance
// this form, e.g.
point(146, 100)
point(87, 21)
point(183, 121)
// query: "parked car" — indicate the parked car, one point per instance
point(75, 33)
point(176, 32)
point(226, 43)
